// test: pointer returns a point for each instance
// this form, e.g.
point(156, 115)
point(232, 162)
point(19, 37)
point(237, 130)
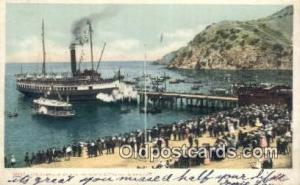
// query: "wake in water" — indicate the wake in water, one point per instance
point(124, 91)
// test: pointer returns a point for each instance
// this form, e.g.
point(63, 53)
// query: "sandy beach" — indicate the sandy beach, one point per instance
point(115, 160)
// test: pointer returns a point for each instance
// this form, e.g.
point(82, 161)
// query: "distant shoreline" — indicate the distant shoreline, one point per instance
point(226, 69)
point(62, 62)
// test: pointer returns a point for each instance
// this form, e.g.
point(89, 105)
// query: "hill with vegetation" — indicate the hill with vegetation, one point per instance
point(264, 43)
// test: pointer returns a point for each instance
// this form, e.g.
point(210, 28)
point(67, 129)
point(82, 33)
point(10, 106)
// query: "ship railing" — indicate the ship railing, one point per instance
point(61, 113)
point(64, 81)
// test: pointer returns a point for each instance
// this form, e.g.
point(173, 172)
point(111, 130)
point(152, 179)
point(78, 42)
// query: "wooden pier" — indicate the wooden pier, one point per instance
point(187, 101)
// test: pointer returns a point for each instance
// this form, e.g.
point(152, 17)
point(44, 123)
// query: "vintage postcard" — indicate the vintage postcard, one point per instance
point(99, 92)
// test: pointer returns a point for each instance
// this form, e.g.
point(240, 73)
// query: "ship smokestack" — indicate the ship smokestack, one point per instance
point(73, 58)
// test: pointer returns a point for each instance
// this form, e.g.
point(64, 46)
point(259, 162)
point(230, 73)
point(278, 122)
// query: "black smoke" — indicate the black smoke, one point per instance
point(80, 28)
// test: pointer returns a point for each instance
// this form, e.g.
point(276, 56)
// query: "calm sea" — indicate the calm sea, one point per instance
point(27, 133)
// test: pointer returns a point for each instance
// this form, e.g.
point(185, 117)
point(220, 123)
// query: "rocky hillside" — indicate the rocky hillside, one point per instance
point(264, 43)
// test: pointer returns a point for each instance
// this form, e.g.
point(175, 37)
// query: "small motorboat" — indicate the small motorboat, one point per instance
point(152, 110)
point(196, 87)
point(129, 82)
point(192, 81)
point(173, 81)
point(124, 110)
point(219, 91)
point(227, 76)
point(180, 80)
point(155, 110)
point(12, 114)
point(166, 77)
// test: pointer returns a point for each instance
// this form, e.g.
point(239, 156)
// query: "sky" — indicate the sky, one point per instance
point(130, 31)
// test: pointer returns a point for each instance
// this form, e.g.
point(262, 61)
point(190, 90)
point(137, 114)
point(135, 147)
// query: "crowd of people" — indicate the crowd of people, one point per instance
point(273, 123)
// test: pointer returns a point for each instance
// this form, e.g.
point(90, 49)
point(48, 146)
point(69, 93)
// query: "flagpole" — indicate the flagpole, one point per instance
point(145, 96)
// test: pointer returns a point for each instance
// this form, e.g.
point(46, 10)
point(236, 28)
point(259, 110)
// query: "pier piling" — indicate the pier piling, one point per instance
point(188, 101)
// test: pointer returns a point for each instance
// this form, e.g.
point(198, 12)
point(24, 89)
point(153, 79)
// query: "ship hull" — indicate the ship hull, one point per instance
point(73, 93)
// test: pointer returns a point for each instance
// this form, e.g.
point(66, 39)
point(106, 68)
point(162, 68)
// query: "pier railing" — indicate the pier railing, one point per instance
point(188, 100)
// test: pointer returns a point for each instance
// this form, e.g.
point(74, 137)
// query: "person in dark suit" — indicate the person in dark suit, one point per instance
point(5, 162)
point(190, 139)
point(268, 163)
point(33, 159)
point(26, 160)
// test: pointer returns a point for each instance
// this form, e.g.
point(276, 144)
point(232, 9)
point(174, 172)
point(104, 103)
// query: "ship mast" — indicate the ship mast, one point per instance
point(44, 52)
point(101, 56)
point(91, 43)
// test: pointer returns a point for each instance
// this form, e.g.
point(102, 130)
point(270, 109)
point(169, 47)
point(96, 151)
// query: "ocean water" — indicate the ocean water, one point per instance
point(28, 133)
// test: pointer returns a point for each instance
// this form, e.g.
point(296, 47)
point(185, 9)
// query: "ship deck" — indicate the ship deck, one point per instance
point(64, 81)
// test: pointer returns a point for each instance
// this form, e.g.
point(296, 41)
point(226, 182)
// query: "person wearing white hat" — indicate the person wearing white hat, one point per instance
point(13, 161)
point(69, 152)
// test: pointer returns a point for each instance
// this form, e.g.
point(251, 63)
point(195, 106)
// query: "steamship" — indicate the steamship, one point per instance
point(80, 85)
